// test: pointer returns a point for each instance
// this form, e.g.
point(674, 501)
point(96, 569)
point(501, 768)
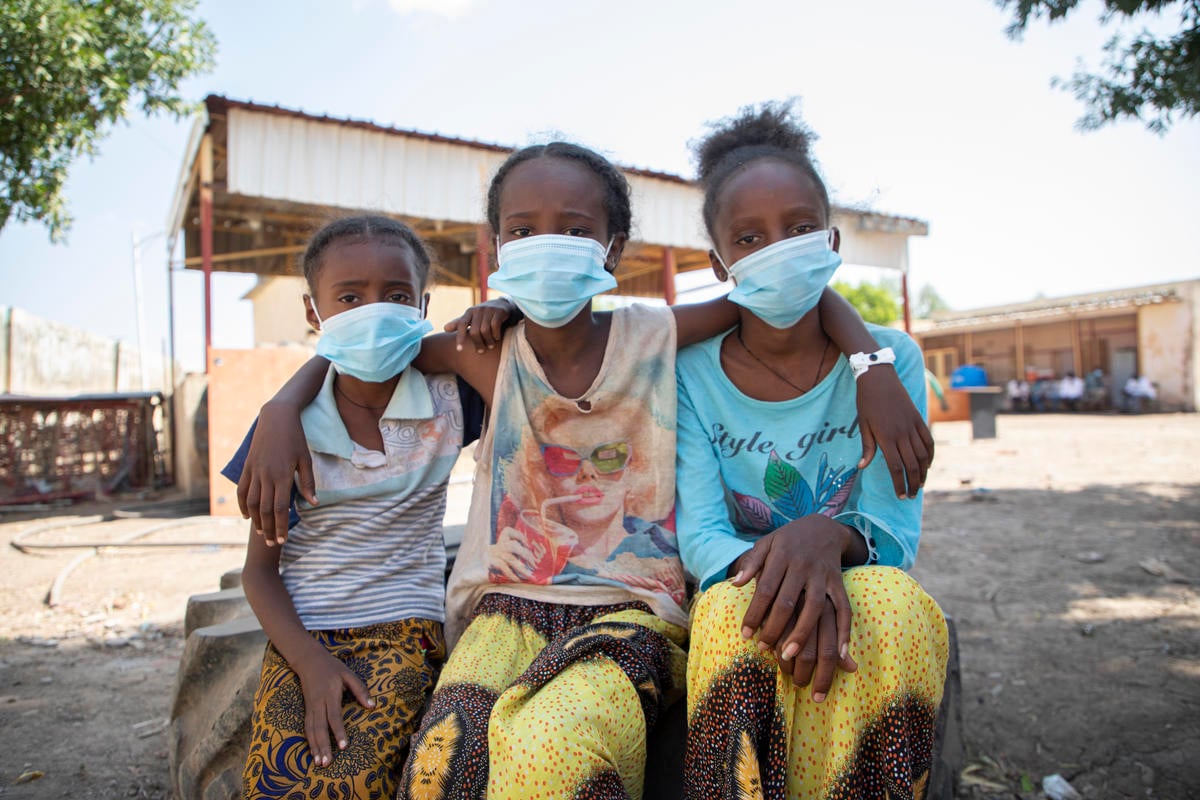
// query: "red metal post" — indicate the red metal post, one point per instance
point(206, 237)
point(668, 275)
point(904, 300)
point(482, 243)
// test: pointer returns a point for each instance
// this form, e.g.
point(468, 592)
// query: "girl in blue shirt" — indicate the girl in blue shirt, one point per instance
point(816, 664)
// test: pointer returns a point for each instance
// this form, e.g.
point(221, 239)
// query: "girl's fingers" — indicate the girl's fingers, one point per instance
point(497, 329)
point(868, 446)
point(826, 655)
point(358, 689)
point(914, 469)
point(769, 579)
point(333, 715)
point(306, 481)
point(809, 614)
point(243, 493)
point(461, 329)
point(317, 733)
point(750, 563)
point(895, 466)
point(783, 610)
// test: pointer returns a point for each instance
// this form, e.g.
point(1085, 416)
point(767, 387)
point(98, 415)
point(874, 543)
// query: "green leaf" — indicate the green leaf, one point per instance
point(72, 70)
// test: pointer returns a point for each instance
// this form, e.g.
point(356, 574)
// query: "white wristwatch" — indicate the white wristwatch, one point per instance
point(861, 362)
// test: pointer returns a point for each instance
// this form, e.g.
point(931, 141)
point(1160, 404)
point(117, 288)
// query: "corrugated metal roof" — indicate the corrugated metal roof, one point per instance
point(1043, 308)
point(280, 172)
point(217, 104)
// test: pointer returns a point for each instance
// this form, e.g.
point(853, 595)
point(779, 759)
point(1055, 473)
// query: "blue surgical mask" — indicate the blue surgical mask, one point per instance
point(551, 277)
point(374, 342)
point(782, 282)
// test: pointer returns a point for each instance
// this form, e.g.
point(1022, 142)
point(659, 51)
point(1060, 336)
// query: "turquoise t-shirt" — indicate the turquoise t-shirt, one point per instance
point(745, 467)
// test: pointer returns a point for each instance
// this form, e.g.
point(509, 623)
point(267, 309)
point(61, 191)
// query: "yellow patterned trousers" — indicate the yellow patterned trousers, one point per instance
point(753, 734)
point(546, 701)
point(398, 663)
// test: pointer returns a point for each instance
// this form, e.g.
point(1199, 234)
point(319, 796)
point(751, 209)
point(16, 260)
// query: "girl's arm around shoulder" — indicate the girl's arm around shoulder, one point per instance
point(891, 525)
point(891, 411)
point(441, 353)
point(695, 322)
point(888, 418)
point(278, 456)
point(471, 346)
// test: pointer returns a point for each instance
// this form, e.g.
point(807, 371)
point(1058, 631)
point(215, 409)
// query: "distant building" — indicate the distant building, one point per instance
point(258, 180)
point(1144, 330)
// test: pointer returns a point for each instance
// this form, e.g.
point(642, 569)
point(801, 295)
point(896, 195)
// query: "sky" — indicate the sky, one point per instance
point(923, 108)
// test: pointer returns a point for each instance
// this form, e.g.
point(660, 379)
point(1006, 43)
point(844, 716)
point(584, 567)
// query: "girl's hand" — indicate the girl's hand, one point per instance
point(324, 679)
point(819, 658)
point(888, 420)
point(278, 458)
point(484, 324)
point(799, 572)
point(511, 557)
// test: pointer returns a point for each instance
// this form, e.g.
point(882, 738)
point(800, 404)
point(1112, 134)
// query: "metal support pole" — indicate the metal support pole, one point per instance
point(668, 275)
point(482, 244)
point(1020, 347)
point(172, 437)
point(206, 236)
point(904, 301)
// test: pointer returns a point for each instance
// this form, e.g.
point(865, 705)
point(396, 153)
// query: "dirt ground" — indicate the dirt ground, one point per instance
point(1067, 550)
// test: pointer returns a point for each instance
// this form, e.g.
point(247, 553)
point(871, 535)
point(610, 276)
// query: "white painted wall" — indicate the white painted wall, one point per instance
point(46, 358)
point(1167, 336)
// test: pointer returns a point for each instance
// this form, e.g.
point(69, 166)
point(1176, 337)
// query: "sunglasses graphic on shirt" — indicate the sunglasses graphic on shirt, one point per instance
point(564, 462)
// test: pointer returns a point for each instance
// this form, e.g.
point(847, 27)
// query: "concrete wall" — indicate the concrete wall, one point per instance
point(447, 303)
point(1194, 371)
point(191, 434)
point(279, 310)
point(239, 382)
point(279, 314)
point(1166, 352)
point(42, 357)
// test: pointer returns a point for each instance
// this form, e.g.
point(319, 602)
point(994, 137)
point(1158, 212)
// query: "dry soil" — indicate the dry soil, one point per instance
point(1067, 549)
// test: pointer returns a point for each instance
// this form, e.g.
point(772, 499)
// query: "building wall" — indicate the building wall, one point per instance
point(48, 358)
point(279, 313)
point(1166, 351)
point(447, 303)
point(279, 310)
point(1048, 349)
point(1159, 339)
point(1194, 339)
point(239, 382)
point(190, 434)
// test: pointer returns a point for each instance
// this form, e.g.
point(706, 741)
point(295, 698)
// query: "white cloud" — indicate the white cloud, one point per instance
point(450, 9)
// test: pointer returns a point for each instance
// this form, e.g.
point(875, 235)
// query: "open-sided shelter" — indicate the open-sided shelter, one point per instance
point(258, 180)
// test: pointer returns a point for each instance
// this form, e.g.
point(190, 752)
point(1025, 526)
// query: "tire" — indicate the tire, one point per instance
point(214, 694)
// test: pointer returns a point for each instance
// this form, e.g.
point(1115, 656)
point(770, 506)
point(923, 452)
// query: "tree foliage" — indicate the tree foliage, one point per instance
point(1143, 77)
point(69, 70)
point(876, 302)
point(929, 302)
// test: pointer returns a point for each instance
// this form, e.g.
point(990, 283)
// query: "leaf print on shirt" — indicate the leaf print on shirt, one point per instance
point(790, 496)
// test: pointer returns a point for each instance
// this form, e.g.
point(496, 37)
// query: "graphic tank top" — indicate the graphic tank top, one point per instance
point(574, 499)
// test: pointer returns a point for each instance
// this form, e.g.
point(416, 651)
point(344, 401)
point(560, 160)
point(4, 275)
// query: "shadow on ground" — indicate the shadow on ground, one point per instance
point(1079, 625)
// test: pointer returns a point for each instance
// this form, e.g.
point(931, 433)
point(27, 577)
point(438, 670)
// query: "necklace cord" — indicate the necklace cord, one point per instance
point(779, 375)
point(354, 402)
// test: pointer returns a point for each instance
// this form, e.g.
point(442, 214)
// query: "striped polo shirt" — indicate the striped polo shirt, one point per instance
point(372, 551)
